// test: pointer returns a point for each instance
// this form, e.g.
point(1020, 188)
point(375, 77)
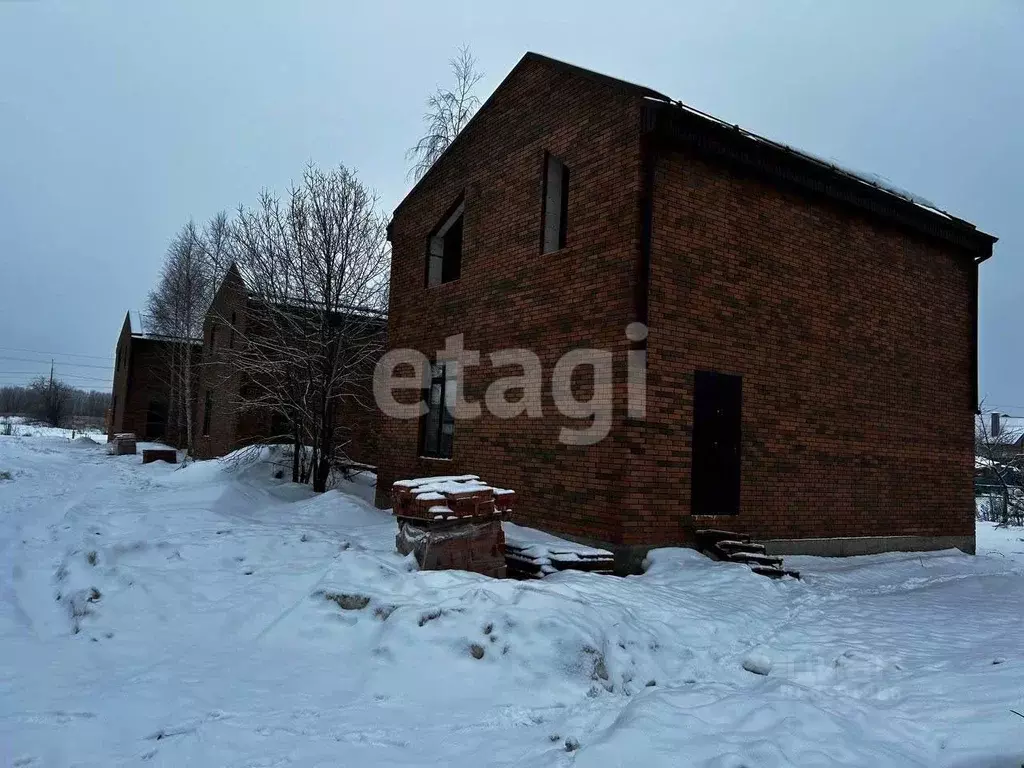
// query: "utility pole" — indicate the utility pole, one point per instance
point(51, 374)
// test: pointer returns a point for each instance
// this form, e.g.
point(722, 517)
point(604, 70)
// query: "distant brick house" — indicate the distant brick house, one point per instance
point(225, 417)
point(143, 399)
point(1008, 445)
point(812, 337)
point(221, 425)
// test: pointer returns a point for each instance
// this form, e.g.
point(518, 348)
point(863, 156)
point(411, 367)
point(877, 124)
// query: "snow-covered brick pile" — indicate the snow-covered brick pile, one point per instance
point(123, 444)
point(535, 554)
point(461, 545)
point(450, 497)
point(452, 523)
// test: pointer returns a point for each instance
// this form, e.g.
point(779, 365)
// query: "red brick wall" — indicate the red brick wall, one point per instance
point(120, 390)
point(511, 295)
point(854, 343)
point(854, 339)
point(231, 425)
point(357, 420)
point(229, 429)
point(142, 375)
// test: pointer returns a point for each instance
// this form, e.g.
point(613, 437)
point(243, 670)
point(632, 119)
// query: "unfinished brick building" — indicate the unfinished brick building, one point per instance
point(227, 413)
point(221, 425)
point(812, 338)
point(143, 399)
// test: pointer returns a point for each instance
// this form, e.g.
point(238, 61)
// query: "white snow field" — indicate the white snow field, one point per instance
point(215, 616)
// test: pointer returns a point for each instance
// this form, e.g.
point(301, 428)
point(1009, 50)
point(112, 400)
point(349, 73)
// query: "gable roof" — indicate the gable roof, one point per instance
point(134, 324)
point(234, 278)
point(673, 119)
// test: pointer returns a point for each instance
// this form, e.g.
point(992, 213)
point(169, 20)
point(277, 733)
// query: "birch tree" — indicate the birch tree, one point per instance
point(448, 111)
point(178, 305)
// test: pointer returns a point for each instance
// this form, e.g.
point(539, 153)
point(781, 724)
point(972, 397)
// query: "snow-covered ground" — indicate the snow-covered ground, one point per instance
point(21, 427)
point(216, 616)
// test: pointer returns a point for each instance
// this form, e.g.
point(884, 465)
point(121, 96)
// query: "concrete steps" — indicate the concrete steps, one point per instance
point(735, 547)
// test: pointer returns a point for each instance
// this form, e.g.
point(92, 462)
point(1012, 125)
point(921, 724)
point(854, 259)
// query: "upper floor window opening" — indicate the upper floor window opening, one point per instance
point(556, 204)
point(444, 250)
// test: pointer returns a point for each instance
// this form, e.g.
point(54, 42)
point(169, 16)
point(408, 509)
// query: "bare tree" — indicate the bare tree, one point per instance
point(1001, 466)
point(51, 400)
point(316, 270)
point(178, 305)
point(215, 242)
point(448, 111)
point(85, 405)
point(16, 400)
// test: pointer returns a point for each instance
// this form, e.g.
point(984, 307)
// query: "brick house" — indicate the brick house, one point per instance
point(222, 426)
point(812, 336)
point(142, 401)
point(1006, 437)
point(224, 421)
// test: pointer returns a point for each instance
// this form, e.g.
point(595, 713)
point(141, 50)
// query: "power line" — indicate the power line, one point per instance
point(15, 378)
point(57, 373)
point(59, 362)
point(46, 370)
point(57, 354)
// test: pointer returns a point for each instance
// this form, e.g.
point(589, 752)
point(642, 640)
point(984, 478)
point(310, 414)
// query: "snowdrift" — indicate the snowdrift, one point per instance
point(215, 614)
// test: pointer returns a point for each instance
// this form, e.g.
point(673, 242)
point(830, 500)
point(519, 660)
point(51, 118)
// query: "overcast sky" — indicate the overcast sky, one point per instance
point(120, 121)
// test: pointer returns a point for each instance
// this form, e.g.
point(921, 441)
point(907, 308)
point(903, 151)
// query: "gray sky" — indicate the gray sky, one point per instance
point(120, 121)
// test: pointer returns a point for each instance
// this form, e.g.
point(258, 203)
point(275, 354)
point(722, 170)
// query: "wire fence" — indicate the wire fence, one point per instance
point(995, 504)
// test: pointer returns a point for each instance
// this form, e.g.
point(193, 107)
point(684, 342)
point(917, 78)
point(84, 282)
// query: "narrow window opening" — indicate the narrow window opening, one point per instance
point(715, 465)
point(437, 430)
point(207, 412)
point(556, 204)
point(156, 420)
point(231, 338)
point(213, 336)
point(444, 256)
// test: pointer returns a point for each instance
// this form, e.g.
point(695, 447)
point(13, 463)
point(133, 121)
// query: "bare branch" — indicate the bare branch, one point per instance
point(448, 111)
point(316, 268)
point(176, 308)
point(1000, 467)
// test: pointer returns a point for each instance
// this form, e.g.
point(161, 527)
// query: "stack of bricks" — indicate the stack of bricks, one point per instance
point(123, 444)
point(452, 523)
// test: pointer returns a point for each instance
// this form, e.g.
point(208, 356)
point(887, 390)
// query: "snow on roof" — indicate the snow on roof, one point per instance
point(1012, 424)
point(135, 323)
point(870, 179)
point(137, 326)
